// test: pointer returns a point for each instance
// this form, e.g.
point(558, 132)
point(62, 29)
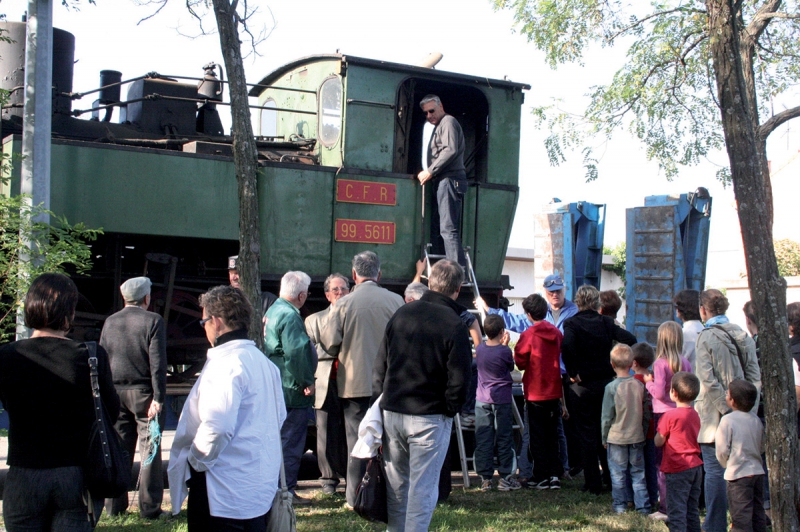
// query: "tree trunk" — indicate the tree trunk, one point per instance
point(245, 159)
point(750, 172)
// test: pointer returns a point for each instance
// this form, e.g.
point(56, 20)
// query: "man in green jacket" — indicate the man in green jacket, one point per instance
point(287, 345)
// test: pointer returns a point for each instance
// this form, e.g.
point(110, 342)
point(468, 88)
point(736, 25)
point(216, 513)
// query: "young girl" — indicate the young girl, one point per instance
point(668, 362)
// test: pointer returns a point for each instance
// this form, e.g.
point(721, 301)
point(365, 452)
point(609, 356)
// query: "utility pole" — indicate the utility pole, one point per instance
point(37, 112)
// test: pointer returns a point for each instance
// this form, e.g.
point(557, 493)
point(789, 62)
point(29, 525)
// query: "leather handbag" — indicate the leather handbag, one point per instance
point(107, 471)
point(371, 492)
point(281, 516)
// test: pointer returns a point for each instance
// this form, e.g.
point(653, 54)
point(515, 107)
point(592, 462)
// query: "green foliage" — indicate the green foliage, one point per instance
point(618, 253)
point(665, 93)
point(788, 254)
point(53, 248)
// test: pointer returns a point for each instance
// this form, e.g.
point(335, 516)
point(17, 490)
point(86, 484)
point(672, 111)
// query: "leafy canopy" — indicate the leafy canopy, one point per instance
point(665, 93)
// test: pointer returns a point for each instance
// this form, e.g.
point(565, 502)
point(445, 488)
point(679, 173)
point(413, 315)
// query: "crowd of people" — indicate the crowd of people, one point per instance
point(656, 427)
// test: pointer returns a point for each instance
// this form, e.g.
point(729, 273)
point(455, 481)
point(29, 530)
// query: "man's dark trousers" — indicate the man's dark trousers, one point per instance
point(331, 439)
point(354, 409)
point(446, 217)
point(132, 424)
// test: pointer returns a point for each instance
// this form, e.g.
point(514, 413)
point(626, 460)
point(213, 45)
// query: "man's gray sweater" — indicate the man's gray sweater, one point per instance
point(136, 342)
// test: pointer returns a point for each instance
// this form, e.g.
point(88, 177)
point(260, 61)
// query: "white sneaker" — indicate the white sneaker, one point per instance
point(555, 484)
point(658, 516)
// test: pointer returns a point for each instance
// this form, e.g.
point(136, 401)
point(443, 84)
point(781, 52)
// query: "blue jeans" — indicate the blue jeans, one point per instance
point(493, 423)
point(621, 458)
point(46, 499)
point(650, 475)
point(716, 498)
point(446, 217)
point(414, 448)
point(683, 500)
point(293, 439)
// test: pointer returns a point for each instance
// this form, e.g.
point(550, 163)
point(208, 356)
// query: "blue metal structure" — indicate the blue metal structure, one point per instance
point(568, 239)
point(667, 247)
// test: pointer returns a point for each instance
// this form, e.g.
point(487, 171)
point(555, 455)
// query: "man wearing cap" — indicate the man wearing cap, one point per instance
point(136, 342)
point(267, 298)
point(559, 308)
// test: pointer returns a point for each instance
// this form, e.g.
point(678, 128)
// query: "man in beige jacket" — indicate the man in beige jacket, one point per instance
point(354, 330)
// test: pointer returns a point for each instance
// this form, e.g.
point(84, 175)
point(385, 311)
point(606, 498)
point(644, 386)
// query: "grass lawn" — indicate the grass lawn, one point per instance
point(523, 510)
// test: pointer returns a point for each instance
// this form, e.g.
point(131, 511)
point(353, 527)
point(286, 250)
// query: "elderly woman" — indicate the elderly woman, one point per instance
point(227, 446)
point(586, 350)
point(46, 390)
point(724, 352)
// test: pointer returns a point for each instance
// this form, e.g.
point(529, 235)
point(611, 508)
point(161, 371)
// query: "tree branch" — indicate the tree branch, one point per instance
point(761, 19)
point(776, 121)
point(640, 21)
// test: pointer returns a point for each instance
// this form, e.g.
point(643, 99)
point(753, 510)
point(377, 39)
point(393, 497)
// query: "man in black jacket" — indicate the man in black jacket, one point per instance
point(423, 371)
point(136, 341)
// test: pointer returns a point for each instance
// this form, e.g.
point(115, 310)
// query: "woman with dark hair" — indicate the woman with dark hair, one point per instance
point(610, 303)
point(687, 309)
point(46, 390)
point(227, 447)
point(586, 350)
point(725, 352)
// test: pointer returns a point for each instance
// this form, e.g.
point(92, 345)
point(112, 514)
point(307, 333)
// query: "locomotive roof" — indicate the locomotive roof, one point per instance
point(273, 76)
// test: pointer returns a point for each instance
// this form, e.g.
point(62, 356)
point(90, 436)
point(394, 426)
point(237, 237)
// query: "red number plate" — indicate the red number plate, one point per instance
point(349, 191)
point(367, 231)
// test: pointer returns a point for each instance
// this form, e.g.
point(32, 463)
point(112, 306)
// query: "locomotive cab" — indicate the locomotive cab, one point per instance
point(365, 117)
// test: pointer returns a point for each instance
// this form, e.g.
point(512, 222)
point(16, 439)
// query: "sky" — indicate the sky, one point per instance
point(474, 39)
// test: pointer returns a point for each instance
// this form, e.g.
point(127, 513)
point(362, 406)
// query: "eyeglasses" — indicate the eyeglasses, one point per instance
point(337, 290)
point(429, 112)
point(204, 321)
point(551, 282)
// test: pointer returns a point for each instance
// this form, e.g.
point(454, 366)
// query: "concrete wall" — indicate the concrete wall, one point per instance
point(738, 294)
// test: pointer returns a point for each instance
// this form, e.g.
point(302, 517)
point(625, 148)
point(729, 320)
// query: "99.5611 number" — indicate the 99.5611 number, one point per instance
point(366, 231)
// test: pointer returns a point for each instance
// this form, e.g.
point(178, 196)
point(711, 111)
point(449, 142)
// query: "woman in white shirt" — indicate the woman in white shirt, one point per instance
point(227, 446)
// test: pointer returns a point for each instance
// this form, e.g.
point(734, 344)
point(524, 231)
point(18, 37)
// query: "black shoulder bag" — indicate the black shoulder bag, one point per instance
point(107, 472)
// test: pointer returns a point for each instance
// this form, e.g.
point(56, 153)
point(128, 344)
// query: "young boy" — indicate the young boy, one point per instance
point(537, 355)
point(681, 462)
point(624, 425)
point(740, 443)
point(493, 407)
point(643, 358)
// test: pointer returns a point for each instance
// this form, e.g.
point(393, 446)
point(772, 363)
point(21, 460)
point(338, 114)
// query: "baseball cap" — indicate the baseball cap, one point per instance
point(232, 262)
point(553, 283)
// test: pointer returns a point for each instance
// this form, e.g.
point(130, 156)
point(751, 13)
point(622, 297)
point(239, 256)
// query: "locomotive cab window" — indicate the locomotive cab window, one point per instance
point(330, 111)
point(467, 104)
point(269, 120)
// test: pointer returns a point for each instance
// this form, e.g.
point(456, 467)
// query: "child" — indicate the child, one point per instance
point(681, 462)
point(669, 361)
point(624, 426)
point(537, 354)
point(739, 445)
point(493, 407)
point(643, 358)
